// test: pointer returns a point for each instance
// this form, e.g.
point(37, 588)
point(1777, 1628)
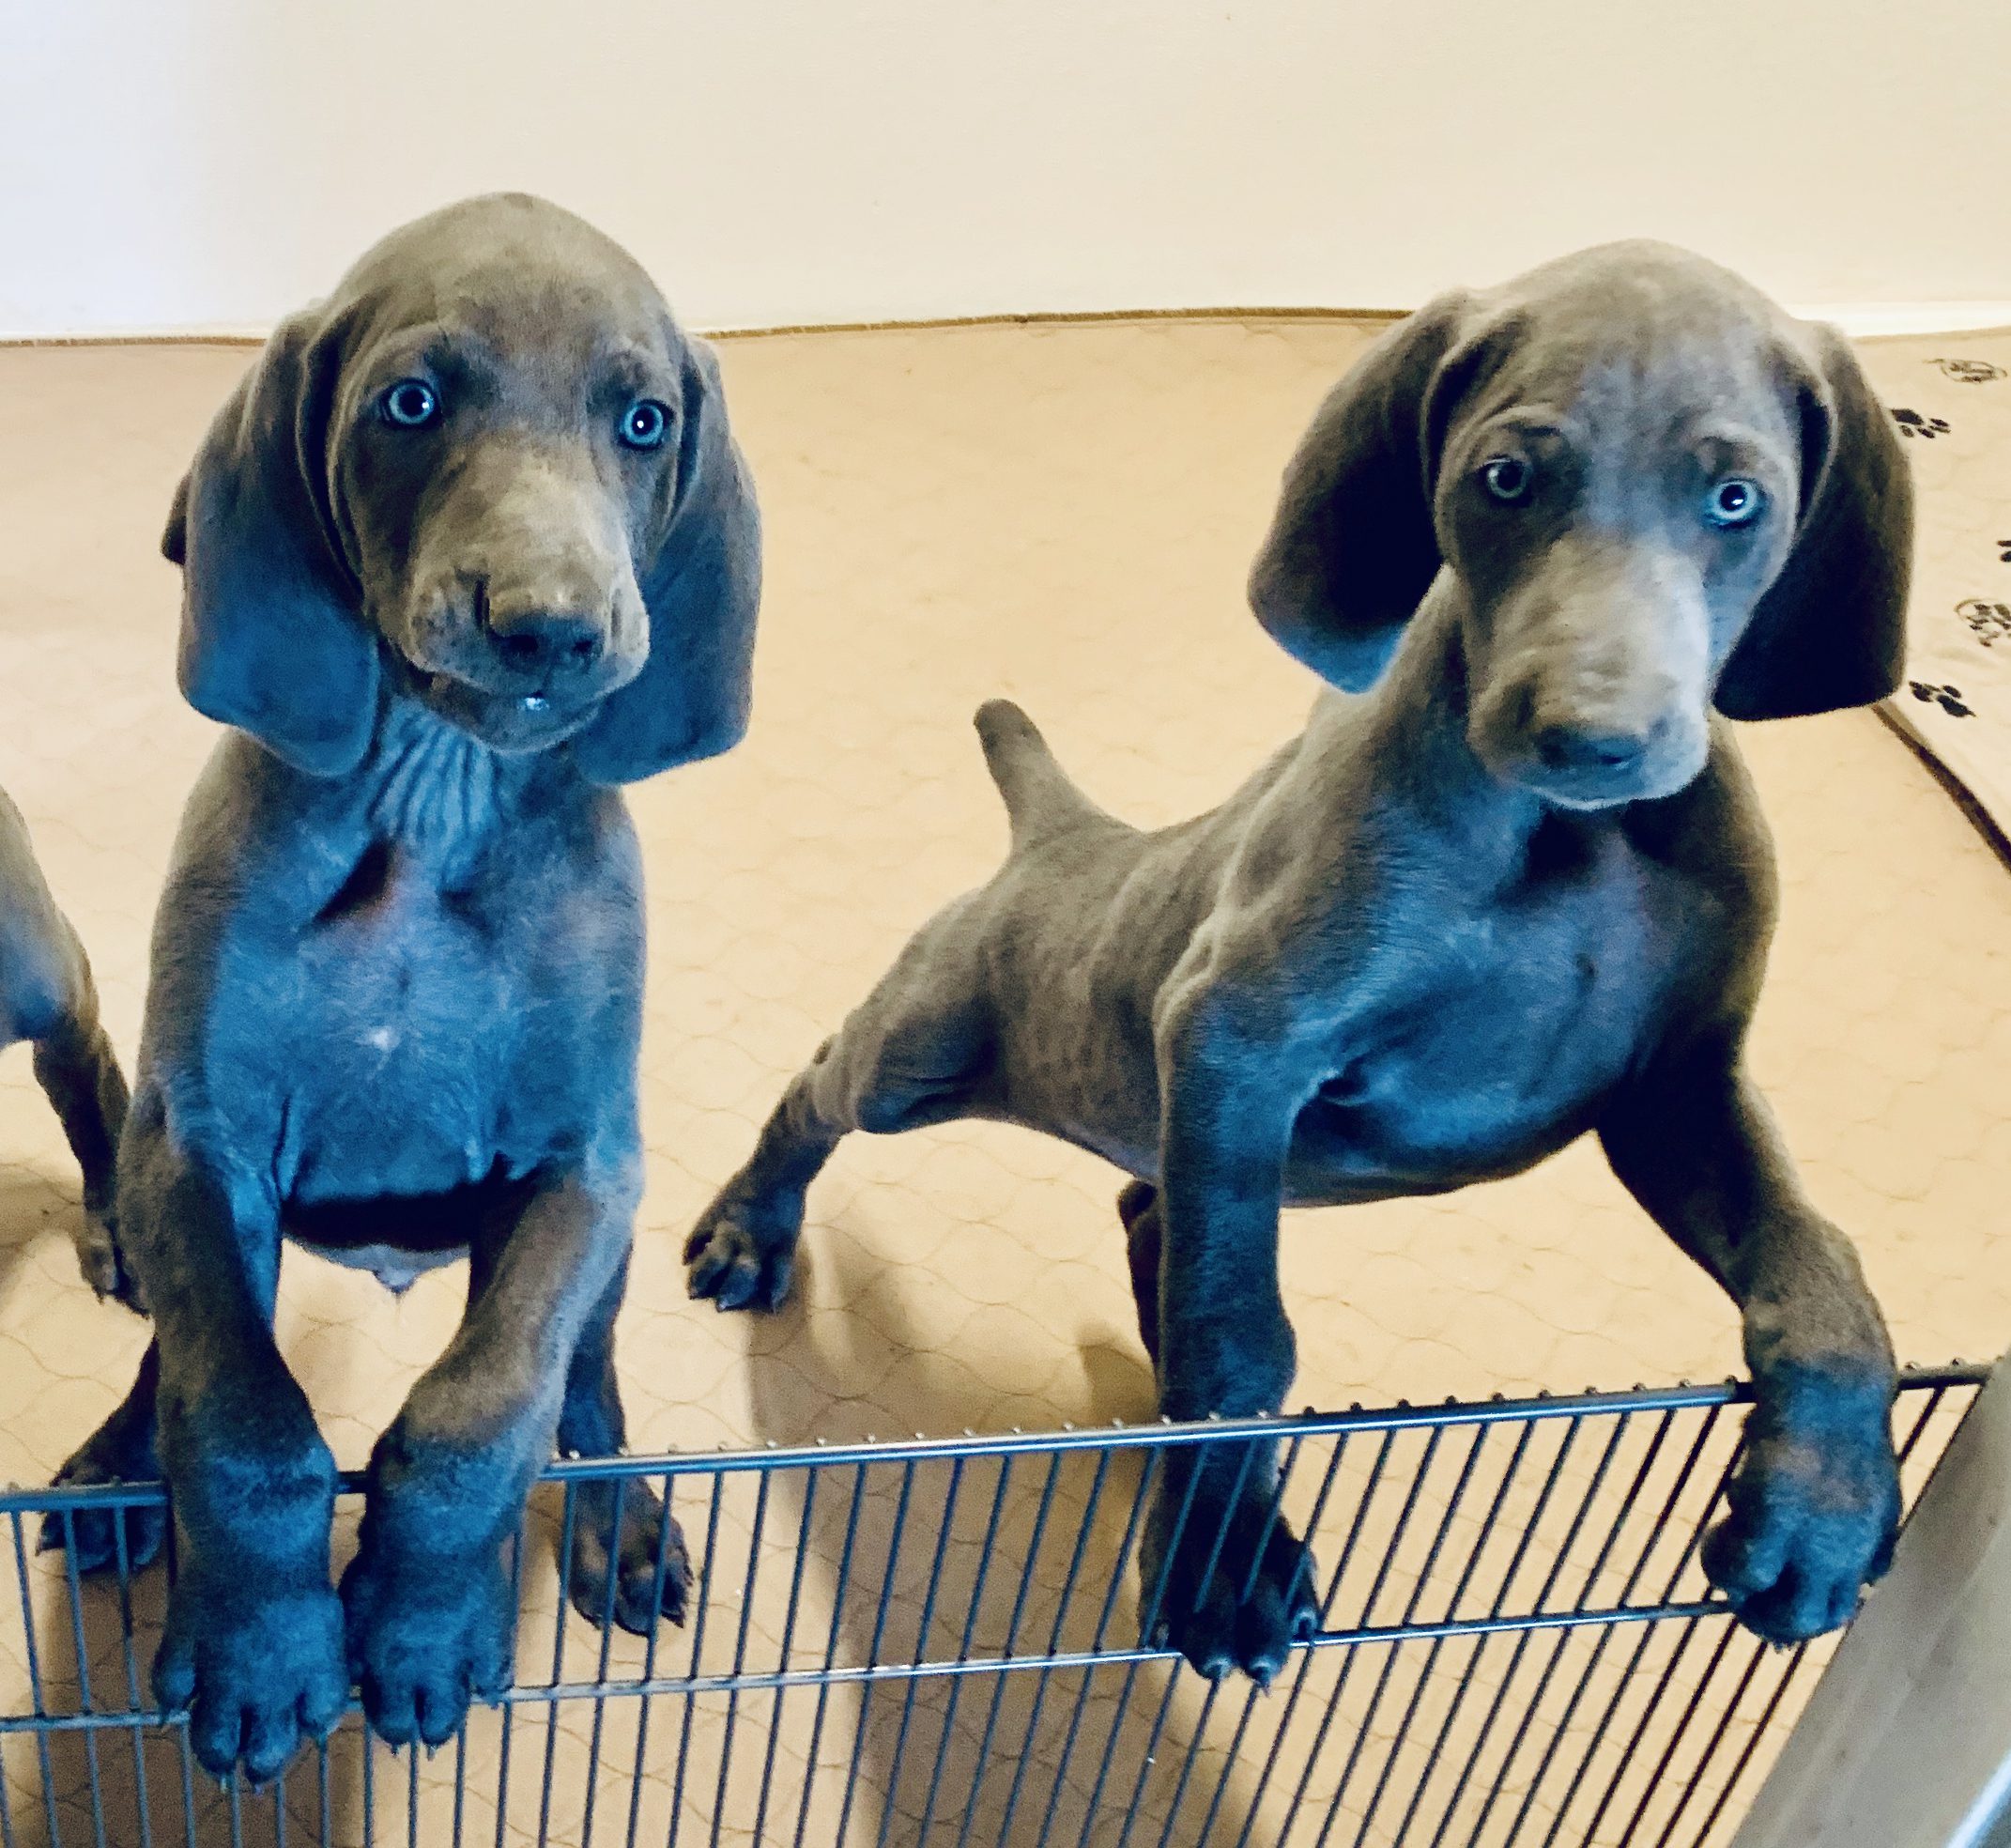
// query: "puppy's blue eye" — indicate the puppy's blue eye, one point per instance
point(644, 422)
point(1507, 478)
point(410, 404)
point(1734, 502)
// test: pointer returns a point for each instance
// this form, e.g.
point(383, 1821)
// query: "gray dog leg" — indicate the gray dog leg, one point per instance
point(253, 1641)
point(426, 1597)
point(1225, 1580)
point(620, 1532)
point(1815, 1503)
point(1138, 1206)
point(47, 996)
point(121, 1449)
point(75, 1066)
point(906, 1057)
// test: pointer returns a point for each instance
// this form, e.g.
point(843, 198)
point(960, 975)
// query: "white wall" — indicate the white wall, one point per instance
point(204, 163)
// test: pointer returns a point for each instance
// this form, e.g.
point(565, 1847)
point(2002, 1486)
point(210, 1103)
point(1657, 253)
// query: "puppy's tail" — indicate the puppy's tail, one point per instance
point(1040, 801)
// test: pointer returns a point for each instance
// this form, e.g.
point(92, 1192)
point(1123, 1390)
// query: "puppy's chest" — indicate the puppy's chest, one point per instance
point(430, 1035)
point(1509, 1021)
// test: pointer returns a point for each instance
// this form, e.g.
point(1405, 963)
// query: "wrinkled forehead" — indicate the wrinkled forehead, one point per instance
point(518, 281)
point(1636, 345)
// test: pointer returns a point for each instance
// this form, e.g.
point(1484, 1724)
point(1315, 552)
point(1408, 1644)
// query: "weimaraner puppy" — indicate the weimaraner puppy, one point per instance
point(469, 548)
point(47, 997)
point(1510, 884)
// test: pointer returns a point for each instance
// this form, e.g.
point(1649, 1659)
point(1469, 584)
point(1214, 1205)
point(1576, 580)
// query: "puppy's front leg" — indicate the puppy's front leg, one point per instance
point(1221, 1576)
point(47, 995)
point(253, 1642)
point(426, 1596)
point(75, 1066)
point(1815, 1503)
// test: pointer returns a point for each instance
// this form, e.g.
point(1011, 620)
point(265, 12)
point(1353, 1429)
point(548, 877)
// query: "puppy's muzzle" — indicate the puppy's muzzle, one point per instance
point(1595, 680)
point(523, 609)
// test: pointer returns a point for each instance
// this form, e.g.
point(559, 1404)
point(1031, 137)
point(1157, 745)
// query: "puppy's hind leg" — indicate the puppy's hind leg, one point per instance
point(628, 1562)
point(47, 996)
point(121, 1449)
point(909, 1056)
point(1137, 1205)
point(75, 1066)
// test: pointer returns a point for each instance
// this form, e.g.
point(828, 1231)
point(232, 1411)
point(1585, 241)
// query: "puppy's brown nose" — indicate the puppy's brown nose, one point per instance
point(1566, 748)
point(548, 642)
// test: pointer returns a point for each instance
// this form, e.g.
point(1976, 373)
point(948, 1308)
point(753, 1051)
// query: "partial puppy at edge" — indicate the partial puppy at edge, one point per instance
point(1510, 886)
point(48, 998)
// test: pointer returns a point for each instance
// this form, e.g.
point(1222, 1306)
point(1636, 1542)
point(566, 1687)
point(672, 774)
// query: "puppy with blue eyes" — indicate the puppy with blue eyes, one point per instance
point(1510, 884)
point(469, 549)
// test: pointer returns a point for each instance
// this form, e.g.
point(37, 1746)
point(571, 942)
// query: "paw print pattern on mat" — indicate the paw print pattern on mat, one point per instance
point(1988, 621)
point(1948, 698)
point(1911, 424)
point(2004, 551)
point(1970, 372)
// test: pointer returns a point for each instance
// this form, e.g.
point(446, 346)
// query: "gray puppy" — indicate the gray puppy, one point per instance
point(47, 997)
point(471, 546)
point(1517, 889)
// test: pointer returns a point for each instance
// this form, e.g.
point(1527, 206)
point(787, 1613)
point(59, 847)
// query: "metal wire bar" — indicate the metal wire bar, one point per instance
point(1326, 1604)
point(134, 1496)
point(666, 1532)
point(698, 1653)
point(1139, 1500)
point(35, 1678)
point(1200, 1731)
point(1542, 1600)
point(740, 1658)
point(1510, 1474)
point(803, 1529)
point(1084, 1529)
point(1433, 1436)
point(1576, 1563)
point(1791, 1666)
point(986, 1554)
point(1232, 1756)
point(1012, 1631)
point(837, 1618)
point(921, 1644)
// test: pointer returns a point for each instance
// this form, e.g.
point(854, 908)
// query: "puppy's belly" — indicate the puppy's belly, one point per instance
point(399, 1237)
point(392, 1266)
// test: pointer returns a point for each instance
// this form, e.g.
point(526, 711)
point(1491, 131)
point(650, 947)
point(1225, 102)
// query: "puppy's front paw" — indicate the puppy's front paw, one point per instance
point(742, 1252)
point(426, 1637)
point(256, 1671)
point(641, 1550)
point(1234, 1595)
point(1812, 1521)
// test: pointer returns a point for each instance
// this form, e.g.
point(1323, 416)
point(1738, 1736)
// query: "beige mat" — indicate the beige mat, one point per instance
point(1063, 515)
point(1951, 398)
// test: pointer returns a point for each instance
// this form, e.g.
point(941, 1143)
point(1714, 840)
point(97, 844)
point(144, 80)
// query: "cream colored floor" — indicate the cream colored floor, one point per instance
point(1064, 515)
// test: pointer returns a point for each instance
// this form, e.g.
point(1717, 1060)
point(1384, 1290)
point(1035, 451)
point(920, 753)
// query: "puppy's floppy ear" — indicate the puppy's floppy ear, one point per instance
point(1830, 630)
point(1352, 548)
point(703, 590)
point(271, 639)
